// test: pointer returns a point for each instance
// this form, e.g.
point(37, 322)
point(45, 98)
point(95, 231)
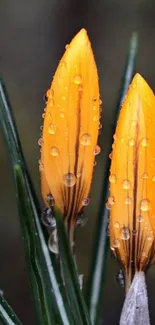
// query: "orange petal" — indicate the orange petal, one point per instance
point(132, 179)
point(70, 128)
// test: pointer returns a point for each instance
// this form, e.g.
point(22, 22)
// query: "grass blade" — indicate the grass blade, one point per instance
point(51, 305)
point(94, 293)
point(7, 315)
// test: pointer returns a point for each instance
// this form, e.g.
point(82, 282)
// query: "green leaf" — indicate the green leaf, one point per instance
point(7, 315)
point(97, 274)
point(81, 316)
point(48, 291)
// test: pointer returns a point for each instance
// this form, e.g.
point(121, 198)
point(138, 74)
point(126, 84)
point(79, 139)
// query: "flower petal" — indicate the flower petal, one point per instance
point(132, 181)
point(71, 128)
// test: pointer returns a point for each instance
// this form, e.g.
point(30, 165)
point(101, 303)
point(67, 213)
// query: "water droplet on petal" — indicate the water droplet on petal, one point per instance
point(69, 179)
point(131, 142)
point(50, 200)
point(85, 139)
point(86, 201)
point(153, 178)
point(40, 142)
point(81, 219)
point(54, 151)
point(111, 200)
point(116, 243)
point(97, 150)
point(150, 238)
point(47, 218)
point(67, 46)
point(126, 184)
point(78, 174)
point(145, 205)
point(100, 126)
point(120, 279)
point(128, 200)
point(144, 142)
point(52, 128)
point(112, 178)
point(77, 79)
point(43, 115)
point(125, 233)
point(51, 103)
point(100, 102)
point(50, 93)
point(62, 115)
point(41, 167)
point(145, 176)
point(114, 137)
point(95, 118)
point(110, 155)
point(116, 224)
point(53, 242)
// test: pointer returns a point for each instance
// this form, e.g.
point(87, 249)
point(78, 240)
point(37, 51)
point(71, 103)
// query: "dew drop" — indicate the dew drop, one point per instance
point(51, 103)
point(144, 142)
point(63, 65)
point(140, 218)
point(116, 224)
point(41, 167)
point(47, 218)
point(125, 233)
point(50, 200)
point(100, 102)
point(116, 243)
point(52, 128)
point(40, 142)
point(128, 200)
point(95, 118)
point(111, 200)
point(53, 242)
point(69, 179)
point(108, 205)
point(86, 201)
point(145, 176)
point(114, 137)
point(97, 150)
point(94, 107)
point(110, 155)
point(77, 79)
point(43, 115)
point(54, 151)
point(100, 126)
point(120, 279)
point(144, 205)
point(81, 219)
point(50, 93)
point(95, 163)
point(67, 46)
point(85, 139)
point(149, 238)
point(62, 115)
point(153, 178)
point(78, 174)
point(131, 142)
point(126, 184)
point(112, 178)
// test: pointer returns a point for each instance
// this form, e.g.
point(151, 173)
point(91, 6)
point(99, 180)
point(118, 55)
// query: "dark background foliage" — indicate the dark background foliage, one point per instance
point(32, 39)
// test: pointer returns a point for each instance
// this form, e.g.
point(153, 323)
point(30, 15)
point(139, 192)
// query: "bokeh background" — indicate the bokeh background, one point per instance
point(33, 35)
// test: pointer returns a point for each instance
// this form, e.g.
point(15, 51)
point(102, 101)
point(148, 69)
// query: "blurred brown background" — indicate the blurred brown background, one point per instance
point(32, 39)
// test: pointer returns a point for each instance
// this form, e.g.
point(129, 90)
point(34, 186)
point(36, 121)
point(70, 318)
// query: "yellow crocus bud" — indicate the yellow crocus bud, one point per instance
point(70, 131)
point(132, 180)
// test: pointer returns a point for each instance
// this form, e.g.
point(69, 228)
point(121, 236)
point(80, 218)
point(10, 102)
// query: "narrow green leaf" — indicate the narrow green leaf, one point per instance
point(96, 279)
point(81, 316)
point(7, 315)
point(50, 300)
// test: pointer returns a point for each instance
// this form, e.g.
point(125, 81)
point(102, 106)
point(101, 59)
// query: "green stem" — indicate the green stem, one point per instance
point(69, 269)
point(97, 274)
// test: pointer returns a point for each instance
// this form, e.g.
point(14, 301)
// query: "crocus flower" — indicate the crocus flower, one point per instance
point(132, 181)
point(70, 131)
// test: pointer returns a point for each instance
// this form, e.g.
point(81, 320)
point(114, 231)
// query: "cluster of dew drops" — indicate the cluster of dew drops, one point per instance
point(144, 203)
point(69, 178)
